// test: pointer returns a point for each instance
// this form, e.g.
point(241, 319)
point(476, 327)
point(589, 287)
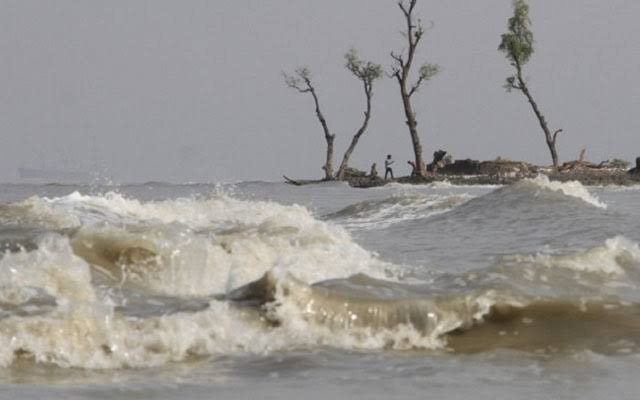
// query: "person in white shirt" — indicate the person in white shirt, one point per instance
point(387, 167)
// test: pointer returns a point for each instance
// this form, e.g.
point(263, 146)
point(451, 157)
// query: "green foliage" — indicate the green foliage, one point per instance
point(366, 71)
point(428, 71)
point(517, 44)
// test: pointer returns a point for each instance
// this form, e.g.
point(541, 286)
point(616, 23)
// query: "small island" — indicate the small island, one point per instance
point(517, 45)
point(501, 172)
point(505, 172)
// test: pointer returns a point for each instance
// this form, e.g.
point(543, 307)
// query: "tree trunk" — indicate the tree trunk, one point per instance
point(413, 131)
point(551, 140)
point(413, 35)
point(328, 166)
point(354, 141)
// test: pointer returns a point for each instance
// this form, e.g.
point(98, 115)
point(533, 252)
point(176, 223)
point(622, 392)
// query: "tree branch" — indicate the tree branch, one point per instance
point(404, 9)
point(397, 71)
point(555, 135)
point(416, 86)
point(397, 58)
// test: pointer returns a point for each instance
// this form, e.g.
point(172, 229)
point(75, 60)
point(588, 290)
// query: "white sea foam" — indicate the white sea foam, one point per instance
point(192, 247)
point(177, 261)
point(219, 210)
point(185, 247)
point(612, 258)
point(197, 247)
point(381, 214)
point(93, 337)
point(85, 331)
point(571, 188)
point(52, 267)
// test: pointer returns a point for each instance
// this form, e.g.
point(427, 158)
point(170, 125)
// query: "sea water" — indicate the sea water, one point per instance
point(266, 290)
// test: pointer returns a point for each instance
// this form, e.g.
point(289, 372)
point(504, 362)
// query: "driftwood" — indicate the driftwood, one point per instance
point(291, 181)
point(302, 182)
point(353, 176)
point(580, 163)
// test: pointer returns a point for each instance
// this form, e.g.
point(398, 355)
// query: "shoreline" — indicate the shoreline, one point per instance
point(600, 177)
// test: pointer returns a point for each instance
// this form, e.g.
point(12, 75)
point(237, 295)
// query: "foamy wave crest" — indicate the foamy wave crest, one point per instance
point(194, 247)
point(175, 260)
point(380, 214)
point(92, 336)
point(35, 211)
point(80, 324)
point(84, 328)
point(219, 211)
point(572, 189)
point(53, 267)
point(616, 257)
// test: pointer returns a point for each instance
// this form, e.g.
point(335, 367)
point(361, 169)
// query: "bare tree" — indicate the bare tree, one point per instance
point(367, 72)
point(517, 45)
point(401, 71)
point(301, 82)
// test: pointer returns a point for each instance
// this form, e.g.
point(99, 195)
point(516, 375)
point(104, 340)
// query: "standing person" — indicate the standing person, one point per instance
point(387, 167)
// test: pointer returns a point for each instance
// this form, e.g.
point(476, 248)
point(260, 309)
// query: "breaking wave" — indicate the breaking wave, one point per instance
point(383, 213)
point(113, 282)
point(529, 198)
point(572, 188)
point(110, 282)
point(283, 280)
point(529, 303)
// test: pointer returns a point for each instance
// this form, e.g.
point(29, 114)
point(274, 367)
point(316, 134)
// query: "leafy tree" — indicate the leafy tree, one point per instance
point(367, 72)
point(401, 71)
point(517, 45)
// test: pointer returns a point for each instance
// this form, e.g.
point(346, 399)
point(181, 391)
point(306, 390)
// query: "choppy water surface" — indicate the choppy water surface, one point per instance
point(263, 289)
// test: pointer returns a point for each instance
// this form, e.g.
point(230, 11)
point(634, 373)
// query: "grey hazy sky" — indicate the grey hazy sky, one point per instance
point(192, 90)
